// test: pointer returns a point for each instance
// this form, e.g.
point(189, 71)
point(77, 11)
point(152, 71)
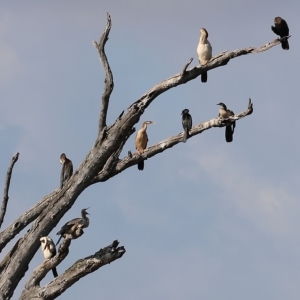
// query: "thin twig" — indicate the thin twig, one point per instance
point(6, 188)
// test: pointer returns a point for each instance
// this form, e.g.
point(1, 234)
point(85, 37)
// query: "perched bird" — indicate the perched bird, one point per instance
point(74, 228)
point(49, 250)
point(204, 51)
point(225, 113)
point(141, 141)
point(186, 124)
point(66, 171)
point(282, 29)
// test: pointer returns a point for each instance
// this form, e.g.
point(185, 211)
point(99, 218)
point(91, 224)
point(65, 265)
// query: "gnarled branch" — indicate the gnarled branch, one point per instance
point(77, 271)
point(6, 188)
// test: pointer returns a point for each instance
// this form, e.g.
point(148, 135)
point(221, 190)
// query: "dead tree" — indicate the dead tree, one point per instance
point(101, 163)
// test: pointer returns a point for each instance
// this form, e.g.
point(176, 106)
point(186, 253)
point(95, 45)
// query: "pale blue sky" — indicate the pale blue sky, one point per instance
point(204, 220)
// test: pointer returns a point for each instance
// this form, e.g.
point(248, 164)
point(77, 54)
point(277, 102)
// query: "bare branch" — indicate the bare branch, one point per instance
point(77, 271)
point(6, 188)
point(29, 216)
point(186, 75)
point(109, 82)
point(132, 160)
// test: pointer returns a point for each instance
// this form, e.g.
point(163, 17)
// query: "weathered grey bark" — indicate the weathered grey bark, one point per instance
point(100, 164)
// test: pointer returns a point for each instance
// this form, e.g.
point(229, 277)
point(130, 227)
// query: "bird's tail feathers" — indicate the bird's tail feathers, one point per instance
point(185, 136)
point(204, 77)
point(228, 134)
point(285, 45)
point(141, 165)
point(54, 272)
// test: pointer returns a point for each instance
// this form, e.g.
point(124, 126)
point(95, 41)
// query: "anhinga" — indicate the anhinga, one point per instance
point(74, 228)
point(225, 113)
point(282, 29)
point(49, 250)
point(204, 51)
point(66, 171)
point(141, 140)
point(186, 124)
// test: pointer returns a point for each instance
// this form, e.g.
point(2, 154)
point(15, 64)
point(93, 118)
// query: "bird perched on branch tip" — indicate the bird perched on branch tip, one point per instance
point(281, 28)
point(225, 113)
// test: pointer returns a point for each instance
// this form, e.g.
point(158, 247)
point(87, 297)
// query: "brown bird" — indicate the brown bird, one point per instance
point(74, 228)
point(282, 29)
point(66, 171)
point(141, 141)
point(204, 51)
point(49, 250)
point(225, 113)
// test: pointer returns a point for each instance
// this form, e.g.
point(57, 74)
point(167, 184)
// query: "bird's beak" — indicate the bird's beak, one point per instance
point(46, 245)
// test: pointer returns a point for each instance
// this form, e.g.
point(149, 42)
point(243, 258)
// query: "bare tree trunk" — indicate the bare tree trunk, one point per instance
point(101, 163)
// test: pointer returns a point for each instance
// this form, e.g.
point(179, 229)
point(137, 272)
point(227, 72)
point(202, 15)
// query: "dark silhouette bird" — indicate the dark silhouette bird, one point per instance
point(186, 124)
point(66, 171)
point(282, 29)
point(74, 228)
point(141, 141)
point(49, 250)
point(225, 113)
point(204, 51)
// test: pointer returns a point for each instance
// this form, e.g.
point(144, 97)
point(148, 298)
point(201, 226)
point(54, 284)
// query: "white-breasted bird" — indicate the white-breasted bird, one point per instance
point(204, 51)
point(49, 250)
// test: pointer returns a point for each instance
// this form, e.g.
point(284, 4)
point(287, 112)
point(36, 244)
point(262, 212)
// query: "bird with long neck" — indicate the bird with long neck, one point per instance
point(48, 250)
point(204, 51)
point(282, 29)
point(225, 113)
point(74, 228)
point(141, 141)
point(186, 124)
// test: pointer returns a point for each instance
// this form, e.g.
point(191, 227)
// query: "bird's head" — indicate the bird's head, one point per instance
point(148, 122)
point(222, 104)
point(44, 242)
point(62, 158)
point(83, 211)
point(185, 111)
point(204, 32)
